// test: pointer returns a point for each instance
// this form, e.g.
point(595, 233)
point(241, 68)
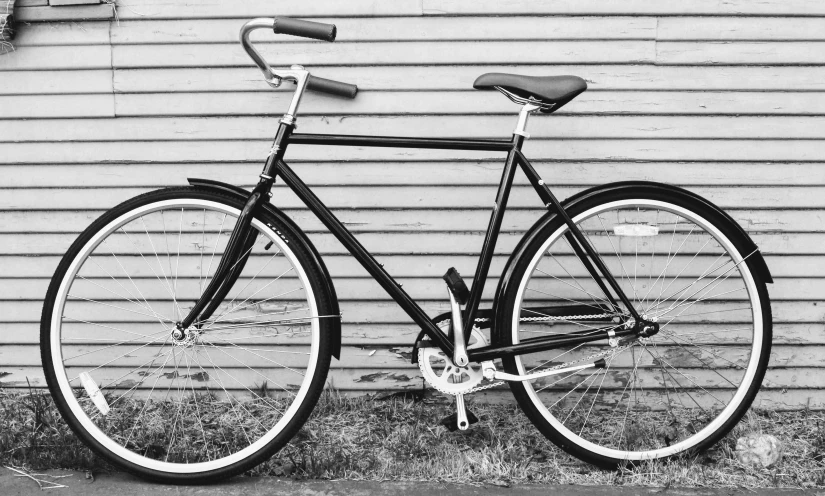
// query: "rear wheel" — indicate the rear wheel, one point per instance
point(215, 401)
point(676, 392)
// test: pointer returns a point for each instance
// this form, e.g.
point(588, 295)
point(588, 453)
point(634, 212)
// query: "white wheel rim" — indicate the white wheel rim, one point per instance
point(750, 372)
point(88, 424)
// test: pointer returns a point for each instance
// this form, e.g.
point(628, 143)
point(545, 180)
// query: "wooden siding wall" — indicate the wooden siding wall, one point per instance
point(724, 98)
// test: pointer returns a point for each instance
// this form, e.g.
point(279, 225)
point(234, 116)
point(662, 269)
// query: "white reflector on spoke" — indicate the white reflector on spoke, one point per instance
point(91, 388)
point(635, 230)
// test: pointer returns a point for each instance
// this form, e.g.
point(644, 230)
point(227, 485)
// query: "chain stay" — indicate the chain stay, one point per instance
point(614, 351)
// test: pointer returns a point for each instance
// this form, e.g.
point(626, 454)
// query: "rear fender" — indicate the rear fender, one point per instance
point(329, 288)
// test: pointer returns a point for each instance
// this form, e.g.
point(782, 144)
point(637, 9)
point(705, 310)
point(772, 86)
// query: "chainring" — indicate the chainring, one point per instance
point(443, 375)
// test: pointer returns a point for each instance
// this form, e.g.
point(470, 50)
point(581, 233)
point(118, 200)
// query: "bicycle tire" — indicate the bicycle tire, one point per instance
point(681, 436)
point(225, 430)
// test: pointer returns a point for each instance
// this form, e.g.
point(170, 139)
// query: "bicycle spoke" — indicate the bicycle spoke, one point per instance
point(676, 277)
point(212, 345)
point(232, 309)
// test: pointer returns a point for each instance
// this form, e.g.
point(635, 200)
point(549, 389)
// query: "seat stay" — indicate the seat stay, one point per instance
point(551, 202)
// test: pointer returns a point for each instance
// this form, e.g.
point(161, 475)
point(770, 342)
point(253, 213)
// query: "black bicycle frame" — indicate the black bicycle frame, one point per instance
point(275, 166)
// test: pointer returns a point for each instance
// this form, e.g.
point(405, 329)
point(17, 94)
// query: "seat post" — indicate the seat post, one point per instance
point(521, 126)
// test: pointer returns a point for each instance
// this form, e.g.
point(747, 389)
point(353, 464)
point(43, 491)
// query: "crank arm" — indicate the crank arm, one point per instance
point(491, 374)
point(461, 413)
point(460, 353)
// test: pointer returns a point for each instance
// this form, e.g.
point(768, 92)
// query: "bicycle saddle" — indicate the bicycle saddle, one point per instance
point(549, 92)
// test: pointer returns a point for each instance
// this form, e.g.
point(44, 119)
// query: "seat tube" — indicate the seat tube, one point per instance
point(488, 249)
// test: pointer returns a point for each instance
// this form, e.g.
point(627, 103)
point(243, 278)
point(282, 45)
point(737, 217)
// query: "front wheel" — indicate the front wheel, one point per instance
point(211, 402)
point(676, 392)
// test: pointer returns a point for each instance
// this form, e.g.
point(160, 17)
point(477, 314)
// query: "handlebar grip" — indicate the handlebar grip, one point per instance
point(336, 88)
point(305, 29)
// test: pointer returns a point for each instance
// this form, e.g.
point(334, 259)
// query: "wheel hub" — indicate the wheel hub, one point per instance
point(647, 327)
point(185, 338)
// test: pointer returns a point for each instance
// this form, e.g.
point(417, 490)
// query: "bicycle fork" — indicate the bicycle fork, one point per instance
point(232, 263)
point(243, 236)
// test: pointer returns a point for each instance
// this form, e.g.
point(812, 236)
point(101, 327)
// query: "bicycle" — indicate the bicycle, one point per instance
point(181, 373)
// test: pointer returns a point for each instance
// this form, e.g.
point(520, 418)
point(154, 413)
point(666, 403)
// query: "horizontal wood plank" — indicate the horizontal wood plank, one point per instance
point(476, 52)
point(779, 382)
point(599, 77)
point(387, 53)
point(69, 82)
point(393, 219)
point(31, 3)
point(32, 289)
point(744, 53)
point(471, 102)
point(415, 197)
point(486, 126)
point(150, 31)
point(414, 243)
point(740, 28)
point(388, 312)
point(64, 106)
point(208, 9)
point(418, 265)
point(406, 173)
point(701, 150)
point(65, 13)
point(637, 7)
point(55, 3)
point(57, 58)
point(371, 336)
point(793, 357)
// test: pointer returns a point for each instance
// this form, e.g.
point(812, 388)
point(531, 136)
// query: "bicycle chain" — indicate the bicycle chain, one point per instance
point(554, 317)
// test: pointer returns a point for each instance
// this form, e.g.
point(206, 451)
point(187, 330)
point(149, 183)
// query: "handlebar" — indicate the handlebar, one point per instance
point(295, 27)
point(305, 29)
point(331, 87)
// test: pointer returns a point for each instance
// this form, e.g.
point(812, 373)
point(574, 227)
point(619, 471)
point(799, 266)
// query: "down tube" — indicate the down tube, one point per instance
point(364, 257)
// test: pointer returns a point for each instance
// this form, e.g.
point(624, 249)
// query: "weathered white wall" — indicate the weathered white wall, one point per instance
point(724, 98)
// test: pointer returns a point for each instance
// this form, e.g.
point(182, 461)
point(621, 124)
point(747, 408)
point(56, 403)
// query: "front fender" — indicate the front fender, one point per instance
point(744, 243)
point(329, 287)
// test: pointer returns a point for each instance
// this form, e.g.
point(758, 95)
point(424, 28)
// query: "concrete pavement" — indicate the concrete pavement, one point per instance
point(126, 485)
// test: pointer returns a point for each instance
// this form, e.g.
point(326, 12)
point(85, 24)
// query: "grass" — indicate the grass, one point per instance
point(396, 438)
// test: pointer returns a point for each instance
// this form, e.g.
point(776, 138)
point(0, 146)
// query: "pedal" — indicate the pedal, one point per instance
point(451, 423)
point(457, 286)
